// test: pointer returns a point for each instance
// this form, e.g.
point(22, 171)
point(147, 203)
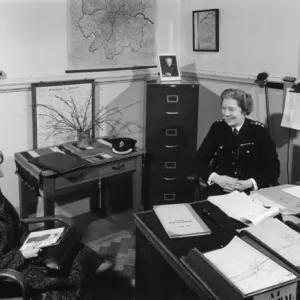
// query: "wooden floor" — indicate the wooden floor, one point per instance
point(93, 227)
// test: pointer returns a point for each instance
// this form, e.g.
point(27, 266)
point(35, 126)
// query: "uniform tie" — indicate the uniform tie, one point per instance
point(235, 131)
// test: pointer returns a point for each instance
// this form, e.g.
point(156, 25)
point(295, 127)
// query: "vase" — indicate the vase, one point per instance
point(83, 139)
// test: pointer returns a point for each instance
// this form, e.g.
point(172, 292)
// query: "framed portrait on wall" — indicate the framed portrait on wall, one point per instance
point(206, 30)
point(168, 67)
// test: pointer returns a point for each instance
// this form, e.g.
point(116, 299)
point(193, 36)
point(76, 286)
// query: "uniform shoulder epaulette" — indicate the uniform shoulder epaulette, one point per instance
point(256, 123)
point(220, 120)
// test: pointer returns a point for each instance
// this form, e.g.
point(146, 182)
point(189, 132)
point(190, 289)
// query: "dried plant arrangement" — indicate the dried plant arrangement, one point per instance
point(76, 119)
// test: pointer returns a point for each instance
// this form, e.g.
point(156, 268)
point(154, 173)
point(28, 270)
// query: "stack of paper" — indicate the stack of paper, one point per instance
point(279, 237)
point(180, 220)
point(241, 207)
point(247, 268)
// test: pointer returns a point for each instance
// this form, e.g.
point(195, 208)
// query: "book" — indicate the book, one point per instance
point(248, 269)
point(280, 238)
point(180, 220)
point(43, 238)
point(243, 208)
point(59, 162)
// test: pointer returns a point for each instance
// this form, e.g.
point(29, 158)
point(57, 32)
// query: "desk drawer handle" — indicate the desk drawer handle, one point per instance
point(169, 178)
point(172, 113)
point(75, 177)
point(118, 167)
point(171, 146)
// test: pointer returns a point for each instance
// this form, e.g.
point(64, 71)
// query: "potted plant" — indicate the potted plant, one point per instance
point(69, 117)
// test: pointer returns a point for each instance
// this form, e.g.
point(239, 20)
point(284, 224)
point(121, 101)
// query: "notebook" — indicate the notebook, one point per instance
point(59, 162)
point(180, 220)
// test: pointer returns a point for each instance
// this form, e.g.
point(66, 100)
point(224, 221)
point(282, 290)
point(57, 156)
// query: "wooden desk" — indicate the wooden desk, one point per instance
point(159, 272)
point(48, 183)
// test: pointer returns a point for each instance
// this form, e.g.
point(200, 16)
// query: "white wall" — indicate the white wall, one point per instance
point(34, 36)
point(33, 47)
point(255, 36)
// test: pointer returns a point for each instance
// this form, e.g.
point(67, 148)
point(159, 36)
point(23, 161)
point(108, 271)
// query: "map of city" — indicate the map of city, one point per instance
point(111, 33)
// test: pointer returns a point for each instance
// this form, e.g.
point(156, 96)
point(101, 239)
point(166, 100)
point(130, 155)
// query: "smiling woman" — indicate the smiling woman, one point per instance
point(237, 153)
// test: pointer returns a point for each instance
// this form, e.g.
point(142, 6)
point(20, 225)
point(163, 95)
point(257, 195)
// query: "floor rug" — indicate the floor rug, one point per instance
point(120, 245)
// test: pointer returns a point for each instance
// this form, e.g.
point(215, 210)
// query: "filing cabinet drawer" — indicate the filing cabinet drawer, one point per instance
point(168, 169)
point(171, 105)
point(165, 195)
point(177, 138)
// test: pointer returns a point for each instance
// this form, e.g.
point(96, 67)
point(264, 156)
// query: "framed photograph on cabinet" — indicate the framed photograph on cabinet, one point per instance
point(168, 67)
point(206, 30)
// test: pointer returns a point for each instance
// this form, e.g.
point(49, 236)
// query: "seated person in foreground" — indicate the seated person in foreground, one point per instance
point(68, 284)
point(237, 153)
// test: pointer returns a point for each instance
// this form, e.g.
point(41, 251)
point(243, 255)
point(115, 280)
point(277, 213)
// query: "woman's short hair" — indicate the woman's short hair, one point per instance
point(244, 100)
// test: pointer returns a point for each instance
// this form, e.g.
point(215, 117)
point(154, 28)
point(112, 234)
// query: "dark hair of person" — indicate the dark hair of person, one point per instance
point(244, 100)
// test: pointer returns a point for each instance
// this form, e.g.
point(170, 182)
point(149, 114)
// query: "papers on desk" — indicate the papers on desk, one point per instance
point(247, 268)
point(286, 197)
point(279, 237)
point(294, 191)
point(241, 207)
point(180, 220)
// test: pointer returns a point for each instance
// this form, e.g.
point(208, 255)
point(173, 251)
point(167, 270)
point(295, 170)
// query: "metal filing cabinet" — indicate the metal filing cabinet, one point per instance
point(171, 141)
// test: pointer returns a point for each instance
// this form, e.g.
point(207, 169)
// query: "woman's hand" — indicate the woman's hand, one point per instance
point(228, 184)
point(243, 185)
point(31, 252)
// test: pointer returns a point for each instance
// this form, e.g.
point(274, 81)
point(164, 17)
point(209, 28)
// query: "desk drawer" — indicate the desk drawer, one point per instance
point(117, 168)
point(76, 177)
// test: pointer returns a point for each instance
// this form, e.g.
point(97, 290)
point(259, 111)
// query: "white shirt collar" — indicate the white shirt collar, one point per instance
point(238, 127)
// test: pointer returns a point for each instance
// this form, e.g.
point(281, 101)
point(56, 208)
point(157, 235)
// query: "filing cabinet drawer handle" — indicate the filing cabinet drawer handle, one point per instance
point(172, 98)
point(169, 197)
point(172, 113)
point(169, 178)
point(118, 167)
point(171, 146)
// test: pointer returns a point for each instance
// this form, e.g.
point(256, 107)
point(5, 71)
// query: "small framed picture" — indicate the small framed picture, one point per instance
point(206, 30)
point(168, 66)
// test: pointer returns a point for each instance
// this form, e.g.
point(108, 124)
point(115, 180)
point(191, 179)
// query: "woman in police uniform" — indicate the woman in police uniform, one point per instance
point(237, 153)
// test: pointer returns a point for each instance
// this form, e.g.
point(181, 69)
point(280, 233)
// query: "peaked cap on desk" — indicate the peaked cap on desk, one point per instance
point(123, 145)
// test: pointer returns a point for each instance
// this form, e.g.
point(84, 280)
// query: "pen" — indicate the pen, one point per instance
point(209, 216)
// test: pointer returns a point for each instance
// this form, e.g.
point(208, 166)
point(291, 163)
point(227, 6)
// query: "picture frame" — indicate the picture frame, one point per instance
point(206, 30)
point(46, 93)
point(168, 67)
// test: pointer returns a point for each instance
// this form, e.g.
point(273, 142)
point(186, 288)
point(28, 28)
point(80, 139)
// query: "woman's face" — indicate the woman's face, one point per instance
point(232, 112)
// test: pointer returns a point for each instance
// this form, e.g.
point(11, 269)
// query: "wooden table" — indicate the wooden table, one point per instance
point(49, 183)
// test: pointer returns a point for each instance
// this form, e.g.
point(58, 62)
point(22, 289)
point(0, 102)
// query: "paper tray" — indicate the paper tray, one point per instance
point(221, 287)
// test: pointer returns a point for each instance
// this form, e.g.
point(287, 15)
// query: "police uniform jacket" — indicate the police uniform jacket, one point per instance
point(249, 154)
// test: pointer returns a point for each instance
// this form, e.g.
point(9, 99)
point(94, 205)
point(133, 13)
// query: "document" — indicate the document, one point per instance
point(247, 268)
point(284, 197)
point(180, 220)
point(43, 238)
point(294, 191)
point(241, 207)
point(279, 237)
point(291, 112)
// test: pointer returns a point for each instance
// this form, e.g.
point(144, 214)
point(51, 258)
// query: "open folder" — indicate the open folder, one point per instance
point(241, 207)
